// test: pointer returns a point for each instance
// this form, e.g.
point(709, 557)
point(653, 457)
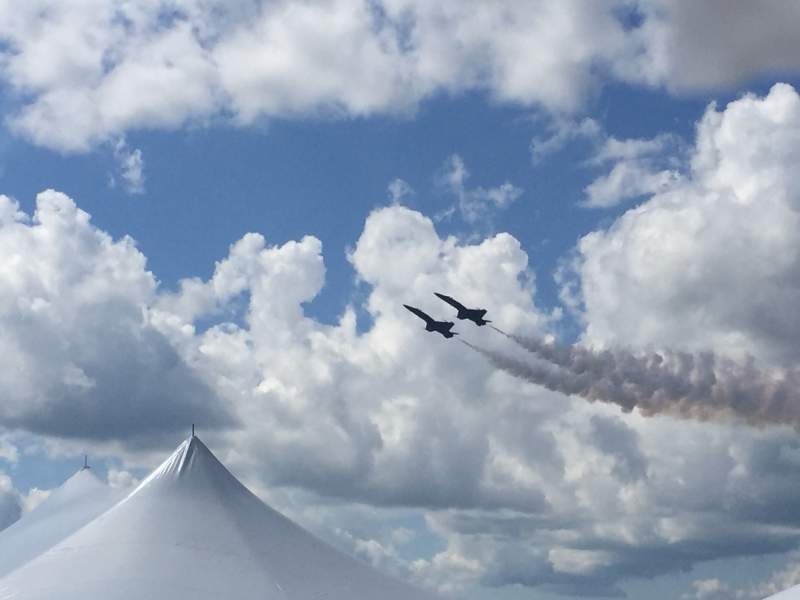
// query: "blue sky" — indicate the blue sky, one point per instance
point(451, 148)
point(290, 178)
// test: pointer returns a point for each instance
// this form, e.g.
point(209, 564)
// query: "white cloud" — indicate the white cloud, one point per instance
point(131, 166)
point(632, 175)
point(523, 487)
point(342, 403)
point(89, 72)
point(350, 426)
point(83, 73)
point(399, 190)
point(79, 356)
point(473, 204)
point(711, 263)
point(614, 149)
point(561, 131)
point(634, 167)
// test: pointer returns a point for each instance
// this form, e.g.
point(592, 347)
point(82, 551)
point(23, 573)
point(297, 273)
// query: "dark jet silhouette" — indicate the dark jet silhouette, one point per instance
point(442, 327)
point(473, 314)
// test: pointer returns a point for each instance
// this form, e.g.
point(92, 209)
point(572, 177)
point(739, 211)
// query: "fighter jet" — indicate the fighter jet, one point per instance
point(473, 314)
point(442, 327)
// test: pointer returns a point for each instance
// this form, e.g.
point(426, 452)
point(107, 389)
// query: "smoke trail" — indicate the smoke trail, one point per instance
point(700, 386)
point(541, 373)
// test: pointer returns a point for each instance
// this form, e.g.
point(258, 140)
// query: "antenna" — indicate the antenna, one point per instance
point(86, 462)
point(192, 429)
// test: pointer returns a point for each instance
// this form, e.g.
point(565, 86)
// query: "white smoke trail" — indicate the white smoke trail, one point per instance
point(700, 386)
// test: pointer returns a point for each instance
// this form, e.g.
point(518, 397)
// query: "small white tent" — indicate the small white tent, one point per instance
point(191, 530)
point(792, 593)
point(68, 508)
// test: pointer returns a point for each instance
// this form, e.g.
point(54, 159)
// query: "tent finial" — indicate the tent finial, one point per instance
point(86, 462)
point(192, 429)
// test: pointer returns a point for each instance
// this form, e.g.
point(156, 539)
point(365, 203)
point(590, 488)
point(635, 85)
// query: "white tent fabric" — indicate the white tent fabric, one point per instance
point(79, 500)
point(792, 593)
point(191, 530)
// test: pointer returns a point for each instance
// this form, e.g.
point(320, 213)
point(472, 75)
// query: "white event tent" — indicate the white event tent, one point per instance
point(190, 530)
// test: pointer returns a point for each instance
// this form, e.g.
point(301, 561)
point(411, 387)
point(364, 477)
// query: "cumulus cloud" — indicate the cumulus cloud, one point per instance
point(523, 486)
point(710, 263)
point(79, 356)
point(83, 73)
point(517, 484)
point(341, 404)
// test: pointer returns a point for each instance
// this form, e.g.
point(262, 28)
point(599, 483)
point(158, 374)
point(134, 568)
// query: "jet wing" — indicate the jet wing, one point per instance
point(451, 301)
point(419, 313)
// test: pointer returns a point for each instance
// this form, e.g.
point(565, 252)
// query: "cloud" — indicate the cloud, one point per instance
point(79, 356)
point(714, 589)
point(709, 266)
point(639, 167)
point(8, 450)
point(353, 426)
point(561, 132)
point(633, 167)
point(345, 404)
point(85, 73)
point(627, 179)
point(710, 263)
point(780, 580)
point(473, 204)
point(686, 47)
point(131, 167)
point(523, 486)
point(708, 589)
point(399, 190)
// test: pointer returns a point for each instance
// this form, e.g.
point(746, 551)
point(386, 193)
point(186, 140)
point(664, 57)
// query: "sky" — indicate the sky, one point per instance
point(212, 213)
